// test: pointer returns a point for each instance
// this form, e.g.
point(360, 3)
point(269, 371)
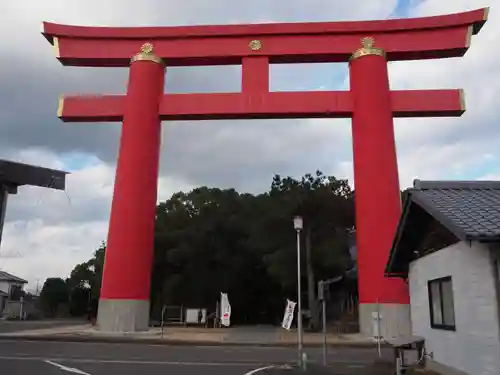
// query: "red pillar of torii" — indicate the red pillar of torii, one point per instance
point(124, 304)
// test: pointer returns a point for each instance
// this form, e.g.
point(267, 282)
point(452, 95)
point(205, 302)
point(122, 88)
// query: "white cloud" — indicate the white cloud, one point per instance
point(35, 250)
point(48, 231)
point(443, 148)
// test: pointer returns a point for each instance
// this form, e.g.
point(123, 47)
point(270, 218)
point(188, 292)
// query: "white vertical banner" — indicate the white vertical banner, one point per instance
point(225, 310)
point(288, 317)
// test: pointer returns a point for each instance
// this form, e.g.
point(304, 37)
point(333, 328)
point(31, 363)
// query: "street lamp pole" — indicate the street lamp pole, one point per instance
point(298, 224)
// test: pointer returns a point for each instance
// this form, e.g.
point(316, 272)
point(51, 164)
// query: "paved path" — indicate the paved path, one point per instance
point(65, 358)
point(254, 336)
point(8, 326)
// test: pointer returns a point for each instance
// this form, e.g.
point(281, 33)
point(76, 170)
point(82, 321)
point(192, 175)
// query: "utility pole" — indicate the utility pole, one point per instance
point(298, 226)
point(322, 284)
point(321, 297)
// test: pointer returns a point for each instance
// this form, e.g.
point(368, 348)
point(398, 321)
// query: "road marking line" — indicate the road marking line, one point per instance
point(117, 361)
point(258, 369)
point(68, 369)
point(178, 363)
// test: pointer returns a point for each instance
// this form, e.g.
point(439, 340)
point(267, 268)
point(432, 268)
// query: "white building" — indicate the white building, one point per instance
point(8, 284)
point(447, 246)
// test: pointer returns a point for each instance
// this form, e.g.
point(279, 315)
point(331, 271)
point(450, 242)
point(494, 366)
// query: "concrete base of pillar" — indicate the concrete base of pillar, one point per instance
point(395, 319)
point(122, 315)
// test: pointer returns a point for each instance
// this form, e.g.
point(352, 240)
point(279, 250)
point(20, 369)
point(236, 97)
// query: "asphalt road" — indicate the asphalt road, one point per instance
point(7, 326)
point(65, 358)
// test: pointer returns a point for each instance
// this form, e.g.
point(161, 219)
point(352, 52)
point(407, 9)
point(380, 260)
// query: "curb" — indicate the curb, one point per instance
point(167, 342)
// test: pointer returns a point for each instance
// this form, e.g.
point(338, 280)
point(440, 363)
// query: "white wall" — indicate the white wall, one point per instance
point(474, 347)
point(4, 286)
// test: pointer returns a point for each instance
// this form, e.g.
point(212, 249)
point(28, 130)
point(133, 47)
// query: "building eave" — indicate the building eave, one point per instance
point(424, 216)
point(399, 232)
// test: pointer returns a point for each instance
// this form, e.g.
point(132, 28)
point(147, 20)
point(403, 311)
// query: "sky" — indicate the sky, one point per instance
point(47, 232)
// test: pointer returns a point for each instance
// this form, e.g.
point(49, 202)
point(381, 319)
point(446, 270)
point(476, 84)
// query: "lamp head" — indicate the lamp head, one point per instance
point(298, 223)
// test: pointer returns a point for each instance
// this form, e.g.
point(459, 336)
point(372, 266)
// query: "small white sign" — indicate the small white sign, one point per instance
point(196, 316)
point(376, 324)
point(288, 317)
point(225, 310)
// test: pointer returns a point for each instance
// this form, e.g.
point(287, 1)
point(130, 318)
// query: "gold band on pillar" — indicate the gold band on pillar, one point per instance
point(367, 49)
point(60, 106)
point(147, 54)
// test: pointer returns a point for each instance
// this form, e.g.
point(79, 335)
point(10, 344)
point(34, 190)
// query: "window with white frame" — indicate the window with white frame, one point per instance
point(442, 310)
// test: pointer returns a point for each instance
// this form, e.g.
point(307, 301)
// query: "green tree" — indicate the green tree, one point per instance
point(84, 283)
point(16, 292)
point(212, 240)
point(327, 208)
point(202, 248)
point(55, 292)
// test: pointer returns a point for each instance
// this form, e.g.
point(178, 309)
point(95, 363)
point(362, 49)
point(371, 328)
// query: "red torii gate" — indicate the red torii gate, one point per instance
point(124, 304)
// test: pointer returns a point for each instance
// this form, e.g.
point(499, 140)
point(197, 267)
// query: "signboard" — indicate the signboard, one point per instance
point(196, 316)
point(321, 290)
point(376, 323)
point(288, 317)
point(225, 310)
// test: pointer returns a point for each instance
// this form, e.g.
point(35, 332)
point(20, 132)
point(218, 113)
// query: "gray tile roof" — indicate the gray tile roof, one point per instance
point(470, 209)
point(5, 276)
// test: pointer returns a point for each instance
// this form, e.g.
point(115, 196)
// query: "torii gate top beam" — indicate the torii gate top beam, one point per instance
point(402, 39)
